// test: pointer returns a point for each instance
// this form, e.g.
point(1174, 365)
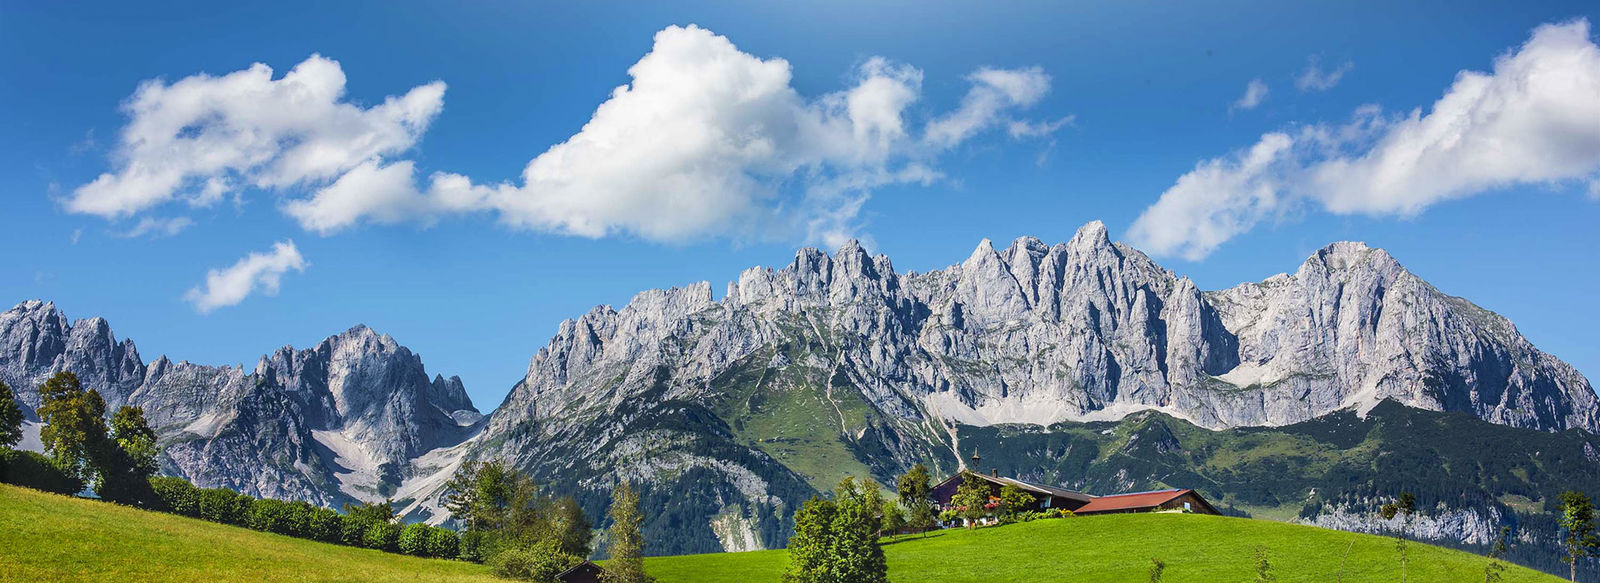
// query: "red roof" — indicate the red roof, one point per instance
point(1136, 501)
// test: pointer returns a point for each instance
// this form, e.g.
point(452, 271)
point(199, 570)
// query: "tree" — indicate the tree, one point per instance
point(856, 556)
point(128, 459)
point(10, 417)
point(461, 494)
point(1577, 520)
point(627, 542)
point(916, 496)
point(571, 527)
point(1494, 571)
point(971, 498)
point(1013, 499)
point(1405, 506)
point(1157, 569)
point(74, 433)
point(894, 518)
point(811, 545)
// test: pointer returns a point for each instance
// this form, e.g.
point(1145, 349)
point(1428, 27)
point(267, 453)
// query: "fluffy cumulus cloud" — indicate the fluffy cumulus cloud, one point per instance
point(202, 137)
point(1254, 93)
point(255, 272)
point(706, 140)
point(1534, 120)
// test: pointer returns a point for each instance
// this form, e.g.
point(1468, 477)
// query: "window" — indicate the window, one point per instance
point(1186, 507)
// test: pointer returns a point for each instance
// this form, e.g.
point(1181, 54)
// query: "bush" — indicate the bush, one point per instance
point(33, 470)
point(540, 563)
point(443, 542)
point(471, 546)
point(325, 525)
point(176, 495)
point(225, 506)
point(382, 536)
point(267, 515)
point(353, 530)
point(414, 539)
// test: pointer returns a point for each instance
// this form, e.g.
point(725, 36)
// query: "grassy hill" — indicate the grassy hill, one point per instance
point(46, 537)
point(1119, 548)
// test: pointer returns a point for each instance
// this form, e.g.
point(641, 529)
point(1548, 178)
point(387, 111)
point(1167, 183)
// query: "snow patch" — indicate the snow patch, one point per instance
point(425, 485)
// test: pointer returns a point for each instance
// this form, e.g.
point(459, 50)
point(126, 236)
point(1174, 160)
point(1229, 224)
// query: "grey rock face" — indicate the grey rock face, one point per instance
point(337, 422)
point(1083, 330)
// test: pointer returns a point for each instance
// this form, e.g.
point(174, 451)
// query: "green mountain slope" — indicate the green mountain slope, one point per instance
point(1119, 548)
point(47, 537)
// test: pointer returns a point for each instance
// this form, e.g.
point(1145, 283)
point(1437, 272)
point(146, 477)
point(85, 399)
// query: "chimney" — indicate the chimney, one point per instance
point(994, 472)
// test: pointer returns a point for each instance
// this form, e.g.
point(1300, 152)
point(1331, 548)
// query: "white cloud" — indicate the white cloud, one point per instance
point(255, 272)
point(705, 140)
point(994, 93)
point(156, 227)
point(203, 137)
point(1315, 78)
point(1534, 120)
point(1254, 93)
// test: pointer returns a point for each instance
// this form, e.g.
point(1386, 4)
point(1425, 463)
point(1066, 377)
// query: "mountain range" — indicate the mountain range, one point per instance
point(1083, 363)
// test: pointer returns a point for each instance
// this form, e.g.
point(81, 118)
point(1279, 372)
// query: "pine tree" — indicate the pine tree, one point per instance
point(1578, 521)
point(1406, 507)
point(461, 495)
point(10, 417)
point(627, 542)
point(1264, 572)
point(1158, 569)
point(571, 527)
point(1494, 571)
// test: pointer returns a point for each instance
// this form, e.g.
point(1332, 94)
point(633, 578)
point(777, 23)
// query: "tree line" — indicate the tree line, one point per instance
point(506, 520)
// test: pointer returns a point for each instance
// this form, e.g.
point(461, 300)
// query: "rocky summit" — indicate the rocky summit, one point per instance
point(338, 422)
point(730, 411)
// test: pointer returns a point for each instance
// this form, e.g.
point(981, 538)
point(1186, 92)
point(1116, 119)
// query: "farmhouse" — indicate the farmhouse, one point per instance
point(1050, 497)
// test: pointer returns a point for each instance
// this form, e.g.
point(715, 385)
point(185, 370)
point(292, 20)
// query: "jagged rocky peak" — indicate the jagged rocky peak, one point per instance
point(37, 340)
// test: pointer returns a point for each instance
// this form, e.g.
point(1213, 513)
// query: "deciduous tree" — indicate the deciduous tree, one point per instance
point(916, 496)
point(1578, 525)
point(627, 542)
point(74, 433)
point(10, 417)
point(971, 498)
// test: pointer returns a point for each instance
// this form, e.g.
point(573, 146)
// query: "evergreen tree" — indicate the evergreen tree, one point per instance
point(971, 497)
point(461, 495)
point(75, 429)
point(627, 542)
point(1158, 569)
point(811, 546)
point(916, 496)
point(10, 417)
point(1494, 571)
point(1264, 572)
point(1578, 522)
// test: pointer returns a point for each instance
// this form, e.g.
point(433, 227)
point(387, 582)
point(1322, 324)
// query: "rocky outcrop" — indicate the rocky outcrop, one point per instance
point(1077, 331)
point(341, 421)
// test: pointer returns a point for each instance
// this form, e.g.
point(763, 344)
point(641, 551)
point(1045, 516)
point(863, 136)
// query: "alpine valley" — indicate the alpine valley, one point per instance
point(1313, 396)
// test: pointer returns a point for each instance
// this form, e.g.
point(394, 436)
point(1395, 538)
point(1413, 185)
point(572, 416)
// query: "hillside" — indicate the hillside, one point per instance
point(1119, 548)
point(47, 537)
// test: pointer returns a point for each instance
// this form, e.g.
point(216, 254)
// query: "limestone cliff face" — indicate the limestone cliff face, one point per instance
point(1083, 330)
point(329, 424)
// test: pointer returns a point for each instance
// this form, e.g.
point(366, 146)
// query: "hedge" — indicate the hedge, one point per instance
point(33, 470)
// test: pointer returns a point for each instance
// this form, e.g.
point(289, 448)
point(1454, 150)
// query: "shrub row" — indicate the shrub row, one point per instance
point(302, 520)
point(34, 470)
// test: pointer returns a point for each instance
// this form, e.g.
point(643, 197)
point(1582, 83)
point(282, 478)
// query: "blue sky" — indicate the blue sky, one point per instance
point(1023, 119)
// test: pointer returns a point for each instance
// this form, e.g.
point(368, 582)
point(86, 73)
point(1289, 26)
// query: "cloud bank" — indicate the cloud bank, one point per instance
point(255, 272)
point(1534, 120)
point(704, 141)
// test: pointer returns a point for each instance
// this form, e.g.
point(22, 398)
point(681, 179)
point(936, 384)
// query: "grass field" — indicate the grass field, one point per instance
point(46, 537)
point(1119, 548)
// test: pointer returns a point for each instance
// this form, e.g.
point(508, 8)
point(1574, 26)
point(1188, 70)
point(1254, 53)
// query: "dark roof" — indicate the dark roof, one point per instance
point(1134, 501)
point(577, 572)
point(1029, 486)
